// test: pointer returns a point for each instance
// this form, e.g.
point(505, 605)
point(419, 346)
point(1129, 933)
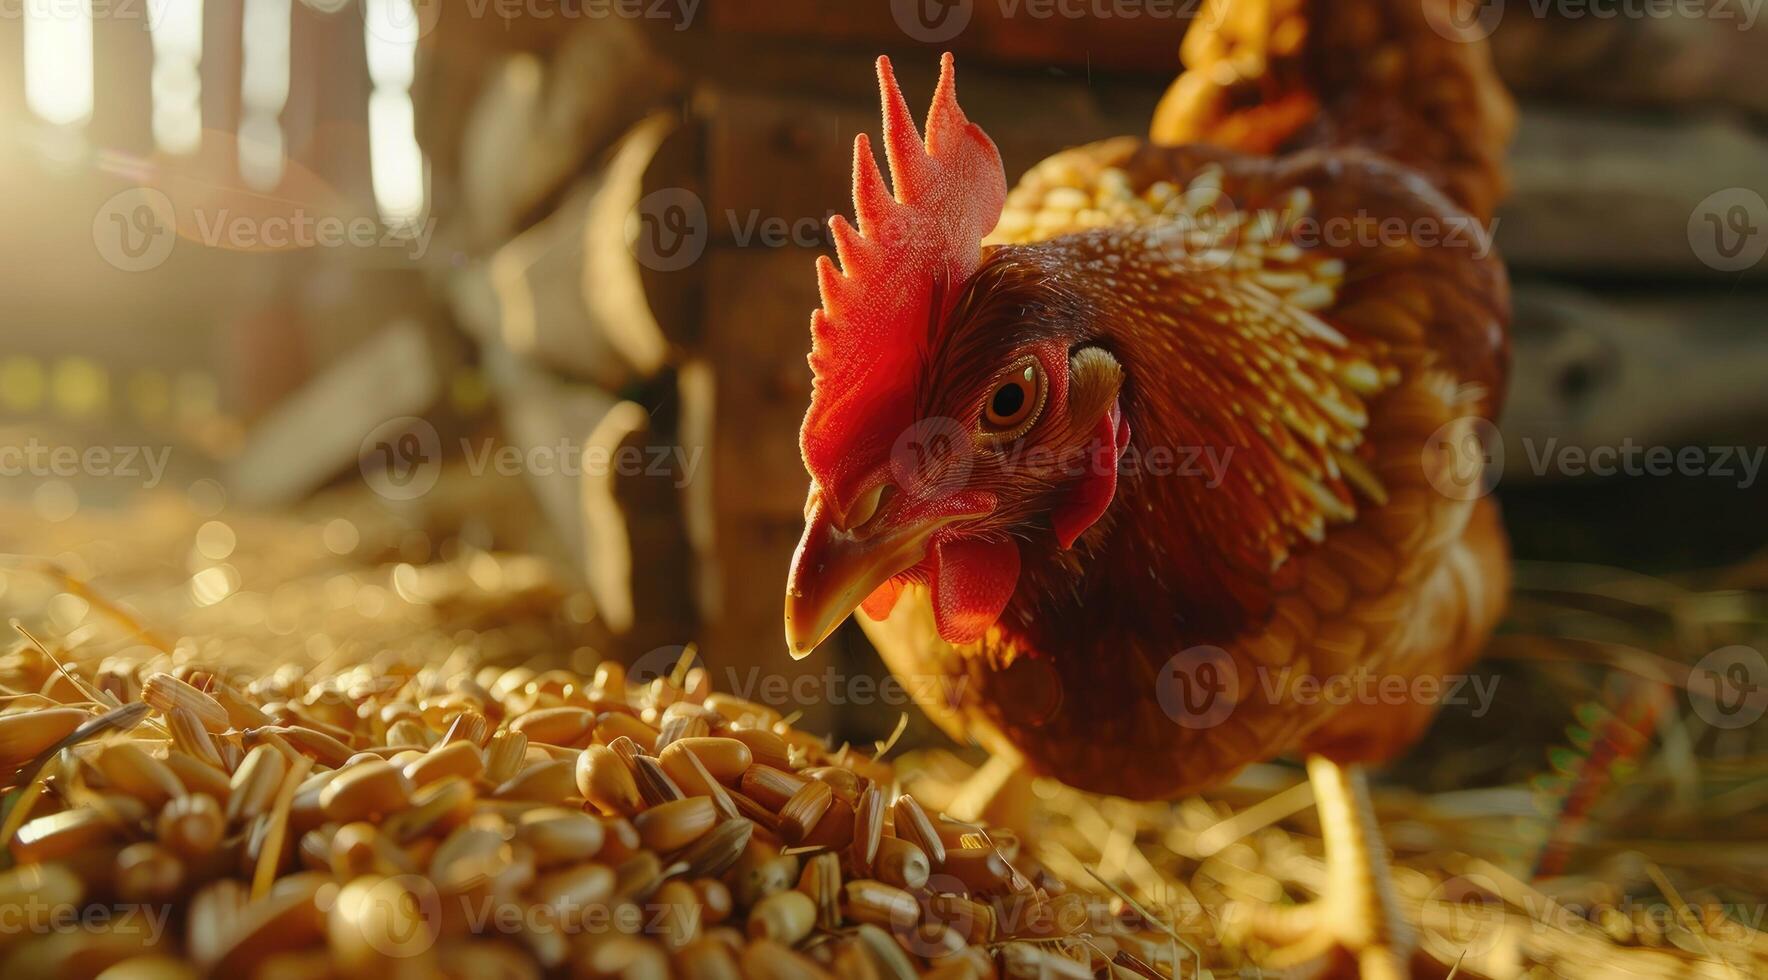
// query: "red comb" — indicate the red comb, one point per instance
point(876, 310)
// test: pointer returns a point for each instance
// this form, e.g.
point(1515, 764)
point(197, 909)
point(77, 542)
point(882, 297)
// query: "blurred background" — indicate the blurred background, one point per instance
point(388, 296)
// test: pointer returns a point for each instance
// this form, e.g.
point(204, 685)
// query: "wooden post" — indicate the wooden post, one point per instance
point(122, 84)
point(325, 121)
point(220, 71)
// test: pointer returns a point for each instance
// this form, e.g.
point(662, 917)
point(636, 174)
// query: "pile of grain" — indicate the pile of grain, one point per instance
point(495, 822)
point(354, 638)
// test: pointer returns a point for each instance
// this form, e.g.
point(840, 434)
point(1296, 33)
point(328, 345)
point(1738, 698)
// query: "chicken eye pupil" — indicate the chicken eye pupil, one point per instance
point(1008, 400)
point(1014, 404)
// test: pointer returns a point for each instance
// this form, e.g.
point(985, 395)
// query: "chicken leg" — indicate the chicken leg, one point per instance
point(1358, 915)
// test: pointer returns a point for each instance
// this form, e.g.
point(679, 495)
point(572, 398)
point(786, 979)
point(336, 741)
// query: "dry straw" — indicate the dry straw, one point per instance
point(405, 796)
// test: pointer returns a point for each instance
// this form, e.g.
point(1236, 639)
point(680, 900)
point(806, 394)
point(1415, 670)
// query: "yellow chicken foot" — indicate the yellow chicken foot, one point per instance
point(1357, 916)
point(998, 793)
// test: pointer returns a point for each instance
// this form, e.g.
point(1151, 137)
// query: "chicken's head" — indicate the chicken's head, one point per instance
point(958, 412)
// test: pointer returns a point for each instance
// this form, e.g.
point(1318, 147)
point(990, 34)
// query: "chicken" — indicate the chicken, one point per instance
point(1138, 455)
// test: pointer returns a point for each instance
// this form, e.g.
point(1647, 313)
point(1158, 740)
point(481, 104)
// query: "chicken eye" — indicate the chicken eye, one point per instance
point(1016, 400)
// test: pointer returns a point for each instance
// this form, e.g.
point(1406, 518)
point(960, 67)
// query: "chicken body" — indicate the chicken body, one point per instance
point(1183, 466)
point(1256, 357)
point(1297, 551)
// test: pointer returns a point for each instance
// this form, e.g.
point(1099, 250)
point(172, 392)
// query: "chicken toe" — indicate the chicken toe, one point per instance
point(1355, 928)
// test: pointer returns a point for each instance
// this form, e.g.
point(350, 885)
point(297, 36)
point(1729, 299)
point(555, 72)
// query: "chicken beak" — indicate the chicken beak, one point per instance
point(834, 571)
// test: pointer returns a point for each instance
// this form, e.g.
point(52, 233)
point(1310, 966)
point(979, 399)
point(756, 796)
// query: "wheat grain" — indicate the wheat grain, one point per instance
point(165, 692)
point(676, 824)
point(804, 810)
point(348, 816)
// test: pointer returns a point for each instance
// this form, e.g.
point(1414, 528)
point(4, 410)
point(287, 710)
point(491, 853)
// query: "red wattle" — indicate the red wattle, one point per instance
point(882, 600)
point(972, 582)
point(1093, 494)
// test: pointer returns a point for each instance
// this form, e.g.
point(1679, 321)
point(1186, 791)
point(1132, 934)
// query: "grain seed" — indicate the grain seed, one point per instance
point(165, 692)
point(785, 917)
point(676, 824)
point(718, 849)
point(913, 825)
point(804, 810)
